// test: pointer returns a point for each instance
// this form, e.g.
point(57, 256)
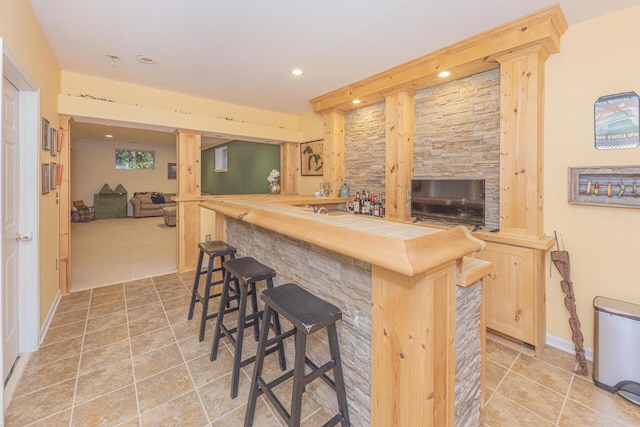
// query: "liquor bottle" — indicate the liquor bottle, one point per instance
point(367, 205)
point(383, 208)
point(357, 204)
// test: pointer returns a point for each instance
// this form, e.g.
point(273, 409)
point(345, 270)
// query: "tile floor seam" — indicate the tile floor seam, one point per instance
point(495, 390)
point(536, 382)
point(564, 401)
point(613, 417)
point(133, 368)
point(184, 361)
point(528, 410)
point(75, 387)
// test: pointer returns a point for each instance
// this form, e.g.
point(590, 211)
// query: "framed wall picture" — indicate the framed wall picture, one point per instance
point(46, 134)
point(616, 122)
point(311, 158)
point(172, 171)
point(53, 174)
point(45, 178)
point(53, 138)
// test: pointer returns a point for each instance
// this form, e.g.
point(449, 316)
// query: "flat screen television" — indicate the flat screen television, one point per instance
point(449, 200)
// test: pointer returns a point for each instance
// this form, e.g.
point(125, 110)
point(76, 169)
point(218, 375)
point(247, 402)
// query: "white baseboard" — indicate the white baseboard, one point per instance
point(49, 318)
point(14, 380)
point(568, 346)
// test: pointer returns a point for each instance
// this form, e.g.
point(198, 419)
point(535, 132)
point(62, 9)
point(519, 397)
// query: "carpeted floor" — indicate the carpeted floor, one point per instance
point(108, 251)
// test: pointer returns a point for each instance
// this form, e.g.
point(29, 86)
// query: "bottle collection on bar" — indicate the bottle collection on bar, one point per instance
point(367, 203)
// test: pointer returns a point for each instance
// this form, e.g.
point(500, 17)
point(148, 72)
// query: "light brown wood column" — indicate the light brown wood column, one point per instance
point(333, 149)
point(413, 348)
point(400, 129)
point(64, 193)
point(188, 197)
point(289, 168)
point(521, 141)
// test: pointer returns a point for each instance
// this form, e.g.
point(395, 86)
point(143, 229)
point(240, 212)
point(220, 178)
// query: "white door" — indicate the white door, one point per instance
point(10, 225)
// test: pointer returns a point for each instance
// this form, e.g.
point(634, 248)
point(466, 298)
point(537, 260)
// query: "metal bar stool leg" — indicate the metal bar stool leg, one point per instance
point(254, 310)
point(223, 304)
point(298, 379)
point(237, 356)
point(254, 392)
point(337, 374)
point(205, 299)
point(194, 291)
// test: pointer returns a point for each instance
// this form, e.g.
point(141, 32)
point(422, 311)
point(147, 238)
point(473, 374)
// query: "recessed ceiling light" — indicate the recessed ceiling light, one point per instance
point(297, 72)
point(146, 59)
point(108, 135)
point(444, 74)
point(356, 101)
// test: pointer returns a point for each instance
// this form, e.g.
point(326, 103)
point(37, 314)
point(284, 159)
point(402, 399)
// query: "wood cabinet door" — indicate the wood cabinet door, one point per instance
point(510, 291)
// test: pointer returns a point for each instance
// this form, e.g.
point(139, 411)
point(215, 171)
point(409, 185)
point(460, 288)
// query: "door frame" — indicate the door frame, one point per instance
point(29, 295)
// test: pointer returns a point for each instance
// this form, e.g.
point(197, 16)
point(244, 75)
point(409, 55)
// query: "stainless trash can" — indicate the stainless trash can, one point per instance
point(617, 346)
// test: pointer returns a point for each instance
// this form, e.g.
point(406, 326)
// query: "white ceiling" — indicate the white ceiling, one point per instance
point(242, 51)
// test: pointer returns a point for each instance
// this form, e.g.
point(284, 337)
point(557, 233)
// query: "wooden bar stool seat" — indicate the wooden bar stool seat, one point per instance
point(308, 314)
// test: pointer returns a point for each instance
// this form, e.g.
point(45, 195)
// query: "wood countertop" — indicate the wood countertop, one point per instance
point(404, 248)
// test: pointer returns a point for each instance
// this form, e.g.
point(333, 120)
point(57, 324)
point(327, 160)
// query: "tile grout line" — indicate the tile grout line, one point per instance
point(502, 379)
point(133, 369)
point(75, 387)
point(564, 402)
point(184, 360)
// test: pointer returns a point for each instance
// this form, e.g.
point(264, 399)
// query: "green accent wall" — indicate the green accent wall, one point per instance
point(248, 166)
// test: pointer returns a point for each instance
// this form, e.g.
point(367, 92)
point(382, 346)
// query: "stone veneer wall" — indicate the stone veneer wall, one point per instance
point(340, 280)
point(346, 283)
point(364, 148)
point(458, 134)
point(468, 355)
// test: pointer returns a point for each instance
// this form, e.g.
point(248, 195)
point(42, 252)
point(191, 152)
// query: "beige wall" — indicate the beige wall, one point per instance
point(597, 58)
point(23, 36)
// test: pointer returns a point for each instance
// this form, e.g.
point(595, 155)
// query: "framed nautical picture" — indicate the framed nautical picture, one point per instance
point(311, 158)
point(616, 121)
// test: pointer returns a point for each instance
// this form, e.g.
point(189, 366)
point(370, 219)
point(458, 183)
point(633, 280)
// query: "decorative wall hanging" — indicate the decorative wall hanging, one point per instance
point(53, 171)
point(45, 178)
point(605, 186)
point(311, 158)
point(616, 121)
point(172, 171)
point(46, 134)
point(53, 142)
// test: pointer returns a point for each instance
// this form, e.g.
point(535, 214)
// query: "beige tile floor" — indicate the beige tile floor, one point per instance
point(125, 355)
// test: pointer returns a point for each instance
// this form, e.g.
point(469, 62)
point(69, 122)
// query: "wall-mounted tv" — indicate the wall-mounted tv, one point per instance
point(449, 200)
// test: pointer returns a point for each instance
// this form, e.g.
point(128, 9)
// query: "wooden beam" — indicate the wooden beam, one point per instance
point(289, 168)
point(400, 129)
point(189, 162)
point(187, 211)
point(471, 56)
point(333, 149)
point(413, 348)
point(64, 193)
point(521, 141)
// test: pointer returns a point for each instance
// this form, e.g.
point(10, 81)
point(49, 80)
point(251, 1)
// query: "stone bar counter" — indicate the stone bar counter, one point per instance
point(412, 334)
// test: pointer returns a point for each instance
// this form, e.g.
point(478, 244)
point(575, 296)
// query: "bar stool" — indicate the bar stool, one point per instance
point(247, 272)
point(308, 314)
point(213, 249)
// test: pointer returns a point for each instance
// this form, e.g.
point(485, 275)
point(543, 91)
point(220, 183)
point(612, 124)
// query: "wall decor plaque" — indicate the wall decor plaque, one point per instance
point(605, 186)
point(311, 158)
point(616, 121)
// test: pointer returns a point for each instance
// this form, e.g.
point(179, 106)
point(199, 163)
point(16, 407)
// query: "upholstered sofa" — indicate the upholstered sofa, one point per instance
point(151, 203)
